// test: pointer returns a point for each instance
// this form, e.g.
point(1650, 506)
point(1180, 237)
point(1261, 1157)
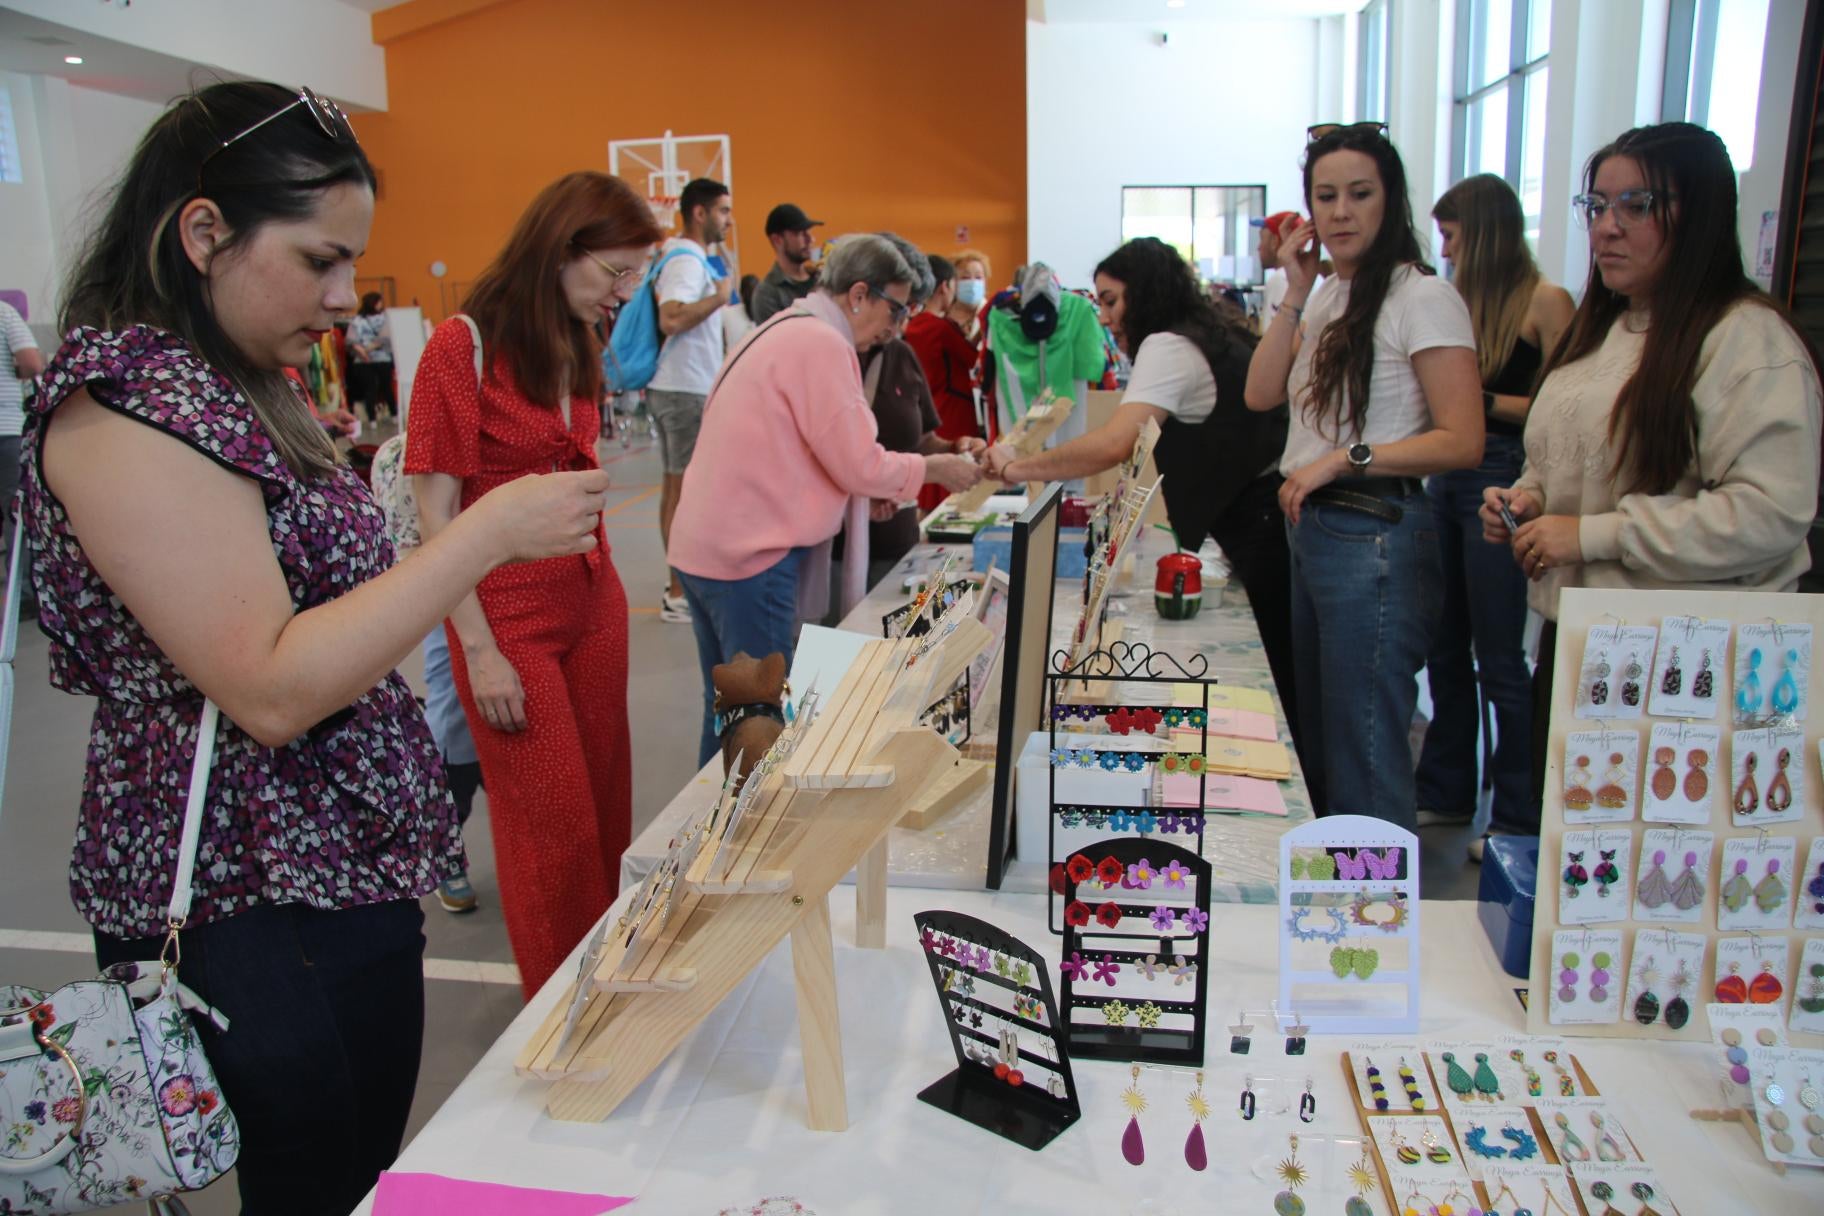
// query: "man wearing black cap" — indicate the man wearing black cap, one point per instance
point(789, 229)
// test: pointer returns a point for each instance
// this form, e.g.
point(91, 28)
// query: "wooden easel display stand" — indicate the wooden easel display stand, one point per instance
point(1027, 438)
point(825, 810)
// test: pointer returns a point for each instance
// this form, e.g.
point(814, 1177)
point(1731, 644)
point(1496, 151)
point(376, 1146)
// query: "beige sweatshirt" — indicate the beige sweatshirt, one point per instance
point(1737, 518)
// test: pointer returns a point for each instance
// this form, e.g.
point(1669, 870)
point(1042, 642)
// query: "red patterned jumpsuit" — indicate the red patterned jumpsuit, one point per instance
point(560, 793)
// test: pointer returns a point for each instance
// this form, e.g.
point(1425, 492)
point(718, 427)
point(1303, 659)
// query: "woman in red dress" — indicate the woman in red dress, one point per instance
point(540, 650)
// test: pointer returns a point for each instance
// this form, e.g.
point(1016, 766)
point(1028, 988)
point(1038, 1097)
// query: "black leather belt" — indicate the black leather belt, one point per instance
point(1382, 487)
point(1352, 499)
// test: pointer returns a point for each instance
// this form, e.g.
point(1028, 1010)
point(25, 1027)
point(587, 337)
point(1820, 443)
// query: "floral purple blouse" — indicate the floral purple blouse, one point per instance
point(352, 812)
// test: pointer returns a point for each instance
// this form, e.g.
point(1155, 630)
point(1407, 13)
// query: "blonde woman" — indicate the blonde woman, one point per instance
point(1518, 317)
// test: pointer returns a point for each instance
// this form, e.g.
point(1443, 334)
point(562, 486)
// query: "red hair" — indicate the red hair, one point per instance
point(518, 303)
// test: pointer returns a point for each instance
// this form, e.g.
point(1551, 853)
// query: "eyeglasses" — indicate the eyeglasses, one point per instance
point(1323, 130)
point(1631, 207)
point(620, 276)
point(898, 309)
point(330, 119)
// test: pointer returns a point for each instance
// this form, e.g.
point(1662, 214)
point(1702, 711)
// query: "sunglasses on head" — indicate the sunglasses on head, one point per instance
point(330, 120)
point(1323, 130)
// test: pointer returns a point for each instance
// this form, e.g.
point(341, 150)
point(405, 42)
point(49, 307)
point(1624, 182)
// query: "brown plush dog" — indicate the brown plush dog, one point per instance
point(750, 695)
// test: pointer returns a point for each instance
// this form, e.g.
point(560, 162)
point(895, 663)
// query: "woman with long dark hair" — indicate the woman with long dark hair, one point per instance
point(1217, 455)
point(1674, 439)
point(251, 567)
point(539, 652)
point(1379, 368)
point(1518, 316)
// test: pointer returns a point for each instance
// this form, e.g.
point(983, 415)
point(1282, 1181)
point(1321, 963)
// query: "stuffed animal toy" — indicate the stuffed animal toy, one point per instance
point(750, 714)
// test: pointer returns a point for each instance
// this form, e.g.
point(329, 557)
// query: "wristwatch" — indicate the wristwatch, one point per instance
point(1360, 456)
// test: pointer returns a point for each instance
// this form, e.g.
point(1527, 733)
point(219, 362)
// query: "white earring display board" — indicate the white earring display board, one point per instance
point(1665, 829)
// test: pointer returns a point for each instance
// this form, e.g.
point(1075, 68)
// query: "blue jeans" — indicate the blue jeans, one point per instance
point(1484, 605)
point(1364, 606)
point(756, 615)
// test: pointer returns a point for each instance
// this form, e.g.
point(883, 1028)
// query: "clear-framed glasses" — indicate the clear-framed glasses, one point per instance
point(632, 273)
point(898, 309)
point(330, 120)
point(1321, 130)
point(1631, 207)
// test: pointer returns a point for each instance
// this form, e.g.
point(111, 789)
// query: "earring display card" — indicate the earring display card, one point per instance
point(1601, 768)
point(1491, 1134)
point(1772, 673)
point(1789, 1103)
point(1767, 777)
point(1420, 1150)
point(1136, 952)
point(1635, 1187)
point(1589, 967)
point(1691, 655)
point(1476, 1075)
point(1751, 970)
point(1012, 1074)
point(1810, 911)
point(1391, 1077)
point(1756, 890)
point(1681, 778)
point(1808, 990)
point(1663, 982)
point(1528, 1186)
point(1349, 944)
point(1594, 877)
point(1674, 874)
point(1547, 1066)
point(1583, 1130)
point(1617, 660)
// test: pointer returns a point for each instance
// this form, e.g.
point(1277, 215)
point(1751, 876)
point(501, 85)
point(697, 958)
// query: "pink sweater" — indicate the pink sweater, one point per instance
point(787, 438)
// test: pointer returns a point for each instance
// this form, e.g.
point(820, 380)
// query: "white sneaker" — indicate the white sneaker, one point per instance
point(674, 608)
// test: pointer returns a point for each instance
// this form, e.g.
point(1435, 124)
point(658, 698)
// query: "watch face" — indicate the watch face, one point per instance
point(1360, 453)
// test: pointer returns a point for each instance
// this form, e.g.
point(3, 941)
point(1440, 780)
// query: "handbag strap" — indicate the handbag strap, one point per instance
point(179, 909)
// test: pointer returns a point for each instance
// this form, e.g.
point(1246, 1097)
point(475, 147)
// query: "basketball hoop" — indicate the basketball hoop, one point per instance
point(664, 210)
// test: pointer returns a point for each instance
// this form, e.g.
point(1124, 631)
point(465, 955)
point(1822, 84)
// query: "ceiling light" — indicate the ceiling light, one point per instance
point(1174, 3)
point(72, 59)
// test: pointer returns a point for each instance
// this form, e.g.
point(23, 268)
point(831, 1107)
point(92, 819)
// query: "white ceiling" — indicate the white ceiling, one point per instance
point(1154, 12)
point(34, 47)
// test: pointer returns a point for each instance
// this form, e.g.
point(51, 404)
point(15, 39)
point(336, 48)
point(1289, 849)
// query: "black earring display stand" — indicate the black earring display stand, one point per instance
point(1096, 1040)
point(1129, 662)
point(1028, 1114)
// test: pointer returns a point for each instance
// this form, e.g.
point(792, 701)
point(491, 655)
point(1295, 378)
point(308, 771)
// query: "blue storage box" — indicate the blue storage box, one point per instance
point(1510, 877)
point(996, 545)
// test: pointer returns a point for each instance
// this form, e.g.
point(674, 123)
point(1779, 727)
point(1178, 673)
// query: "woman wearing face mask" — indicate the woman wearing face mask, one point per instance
point(251, 567)
point(973, 273)
point(787, 439)
point(1518, 316)
point(938, 333)
point(1674, 439)
point(1380, 372)
point(1218, 457)
point(539, 652)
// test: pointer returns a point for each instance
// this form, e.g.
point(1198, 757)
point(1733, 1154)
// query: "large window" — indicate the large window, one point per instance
point(1714, 50)
point(1501, 82)
point(1208, 225)
point(9, 139)
point(1372, 79)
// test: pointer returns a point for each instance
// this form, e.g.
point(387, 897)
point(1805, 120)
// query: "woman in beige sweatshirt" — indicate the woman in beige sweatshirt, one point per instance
point(1674, 441)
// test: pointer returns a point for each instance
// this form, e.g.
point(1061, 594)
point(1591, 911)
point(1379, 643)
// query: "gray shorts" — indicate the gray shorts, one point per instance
point(678, 416)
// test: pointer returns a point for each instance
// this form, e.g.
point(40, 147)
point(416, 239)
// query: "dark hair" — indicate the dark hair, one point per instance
point(371, 302)
point(1343, 363)
point(701, 192)
point(1162, 296)
point(942, 271)
point(1653, 426)
point(134, 271)
point(749, 284)
point(517, 301)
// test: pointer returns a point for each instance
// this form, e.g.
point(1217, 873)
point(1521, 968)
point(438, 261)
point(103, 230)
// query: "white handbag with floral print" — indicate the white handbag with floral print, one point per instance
point(105, 1093)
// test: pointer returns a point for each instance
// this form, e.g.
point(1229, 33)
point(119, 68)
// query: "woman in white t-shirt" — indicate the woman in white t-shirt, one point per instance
point(1380, 372)
point(1218, 457)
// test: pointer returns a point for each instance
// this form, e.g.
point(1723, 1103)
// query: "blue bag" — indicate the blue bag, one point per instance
point(631, 358)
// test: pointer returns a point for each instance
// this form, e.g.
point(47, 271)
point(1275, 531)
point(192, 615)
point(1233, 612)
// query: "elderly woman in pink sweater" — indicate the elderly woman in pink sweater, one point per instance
point(787, 438)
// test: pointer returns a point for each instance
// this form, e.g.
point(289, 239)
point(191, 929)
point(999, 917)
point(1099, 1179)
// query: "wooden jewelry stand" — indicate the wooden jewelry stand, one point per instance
point(1027, 438)
point(753, 869)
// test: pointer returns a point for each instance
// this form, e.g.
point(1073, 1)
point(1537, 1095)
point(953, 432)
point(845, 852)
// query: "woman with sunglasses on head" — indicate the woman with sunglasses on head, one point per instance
point(1674, 439)
point(251, 567)
point(539, 652)
point(1518, 316)
point(1379, 369)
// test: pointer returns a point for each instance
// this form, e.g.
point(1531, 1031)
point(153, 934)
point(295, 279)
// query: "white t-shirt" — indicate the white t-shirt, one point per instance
point(688, 361)
point(14, 336)
point(1274, 292)
point(1421, 312)
point(1171, 373)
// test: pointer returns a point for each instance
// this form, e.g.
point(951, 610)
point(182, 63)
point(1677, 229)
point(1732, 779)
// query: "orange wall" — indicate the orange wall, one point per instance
point(828, 103)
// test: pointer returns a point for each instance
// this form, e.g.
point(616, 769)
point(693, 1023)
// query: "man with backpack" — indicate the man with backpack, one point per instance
point(689, 296)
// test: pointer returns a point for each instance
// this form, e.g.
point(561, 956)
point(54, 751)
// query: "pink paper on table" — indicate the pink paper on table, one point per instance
point(435, 1195)
point(1222, 792)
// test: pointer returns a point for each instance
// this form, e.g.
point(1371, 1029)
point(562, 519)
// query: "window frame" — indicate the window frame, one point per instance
point(1518, 78)
point(1374, 33)
point(1259, 277)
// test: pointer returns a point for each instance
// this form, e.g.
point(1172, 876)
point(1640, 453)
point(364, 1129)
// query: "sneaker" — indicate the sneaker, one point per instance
point(674, 608)
point(456, 895)
point(1430, 819)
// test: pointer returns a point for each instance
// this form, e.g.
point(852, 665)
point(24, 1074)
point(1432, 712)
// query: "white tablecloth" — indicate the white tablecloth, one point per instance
point(722, 1121)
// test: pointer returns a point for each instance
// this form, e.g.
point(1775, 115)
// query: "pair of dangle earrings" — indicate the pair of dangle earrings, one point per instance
point(1703, 684)
point(1779, 790)
point(1665, 781)
point(1133, 1144)
point(1784, 698)
point(1656, 890)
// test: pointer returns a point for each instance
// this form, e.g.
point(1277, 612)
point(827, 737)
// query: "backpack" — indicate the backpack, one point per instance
point(631, 358)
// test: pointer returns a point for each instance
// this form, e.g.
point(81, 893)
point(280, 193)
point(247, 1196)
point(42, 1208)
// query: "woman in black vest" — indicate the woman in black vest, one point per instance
point(1219, 459)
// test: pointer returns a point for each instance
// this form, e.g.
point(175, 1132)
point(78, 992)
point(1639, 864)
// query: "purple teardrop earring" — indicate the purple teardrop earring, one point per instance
point(1132, 1146)
point(1194, 1154)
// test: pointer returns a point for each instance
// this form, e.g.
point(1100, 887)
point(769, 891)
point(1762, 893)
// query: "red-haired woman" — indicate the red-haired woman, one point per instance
point(540, 649)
